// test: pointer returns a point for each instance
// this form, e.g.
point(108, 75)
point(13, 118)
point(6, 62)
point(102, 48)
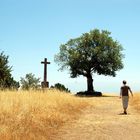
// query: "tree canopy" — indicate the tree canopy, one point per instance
point(6, 79)
point(93, 52)
point(29, 82)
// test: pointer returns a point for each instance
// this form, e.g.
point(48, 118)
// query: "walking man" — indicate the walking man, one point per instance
point(124, 94)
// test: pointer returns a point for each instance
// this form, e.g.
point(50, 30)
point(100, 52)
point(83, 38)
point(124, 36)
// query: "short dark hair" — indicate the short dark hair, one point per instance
point(124, 82)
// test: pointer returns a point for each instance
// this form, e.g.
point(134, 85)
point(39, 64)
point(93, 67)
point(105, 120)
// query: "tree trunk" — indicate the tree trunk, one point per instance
point(90, 83)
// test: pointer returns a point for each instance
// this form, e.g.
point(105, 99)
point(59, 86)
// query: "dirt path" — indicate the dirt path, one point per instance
point(102, 121)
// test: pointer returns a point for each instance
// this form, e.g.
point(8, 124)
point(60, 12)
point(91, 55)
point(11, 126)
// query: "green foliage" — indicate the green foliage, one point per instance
point(93, 52)
point(29, 82)
point(6, 79)
point(60, 87)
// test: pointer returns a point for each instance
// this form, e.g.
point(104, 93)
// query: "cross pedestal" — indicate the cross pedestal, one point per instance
point(45, 83)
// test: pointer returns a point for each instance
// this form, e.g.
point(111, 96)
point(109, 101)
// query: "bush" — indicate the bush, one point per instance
point(60, 87)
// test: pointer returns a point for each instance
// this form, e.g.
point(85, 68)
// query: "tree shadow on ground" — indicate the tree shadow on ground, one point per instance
point(124, 114)
point(92, 94)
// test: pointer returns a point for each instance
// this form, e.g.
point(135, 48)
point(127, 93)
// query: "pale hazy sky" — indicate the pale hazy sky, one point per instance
point(31, 30)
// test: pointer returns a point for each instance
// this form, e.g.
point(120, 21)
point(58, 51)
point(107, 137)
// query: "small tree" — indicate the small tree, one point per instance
point(6, 79)
point(60, 87)
point(93, 52)
point(30, 82)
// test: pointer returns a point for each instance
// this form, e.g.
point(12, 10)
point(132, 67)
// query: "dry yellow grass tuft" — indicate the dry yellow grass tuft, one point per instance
point(136, 102)
point(36, 115)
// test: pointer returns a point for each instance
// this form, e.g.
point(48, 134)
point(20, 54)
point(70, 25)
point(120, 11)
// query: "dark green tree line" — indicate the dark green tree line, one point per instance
point(6, 79)
point(60, 87)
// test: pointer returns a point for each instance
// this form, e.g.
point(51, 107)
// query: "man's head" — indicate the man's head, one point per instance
point(124, 82)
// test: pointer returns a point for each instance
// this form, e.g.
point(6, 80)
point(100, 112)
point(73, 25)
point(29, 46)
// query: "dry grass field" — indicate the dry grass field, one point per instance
point(53, 115)
point(36, 115)
point(104, 120)
point(136, 102)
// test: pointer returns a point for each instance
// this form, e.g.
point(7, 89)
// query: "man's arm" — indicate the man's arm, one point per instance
point(120, 92)
point(131, 91)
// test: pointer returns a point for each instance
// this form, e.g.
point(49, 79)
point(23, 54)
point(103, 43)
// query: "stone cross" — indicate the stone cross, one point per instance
point(45, 83)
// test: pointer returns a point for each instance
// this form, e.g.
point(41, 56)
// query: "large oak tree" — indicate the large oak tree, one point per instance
point(93, 52)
